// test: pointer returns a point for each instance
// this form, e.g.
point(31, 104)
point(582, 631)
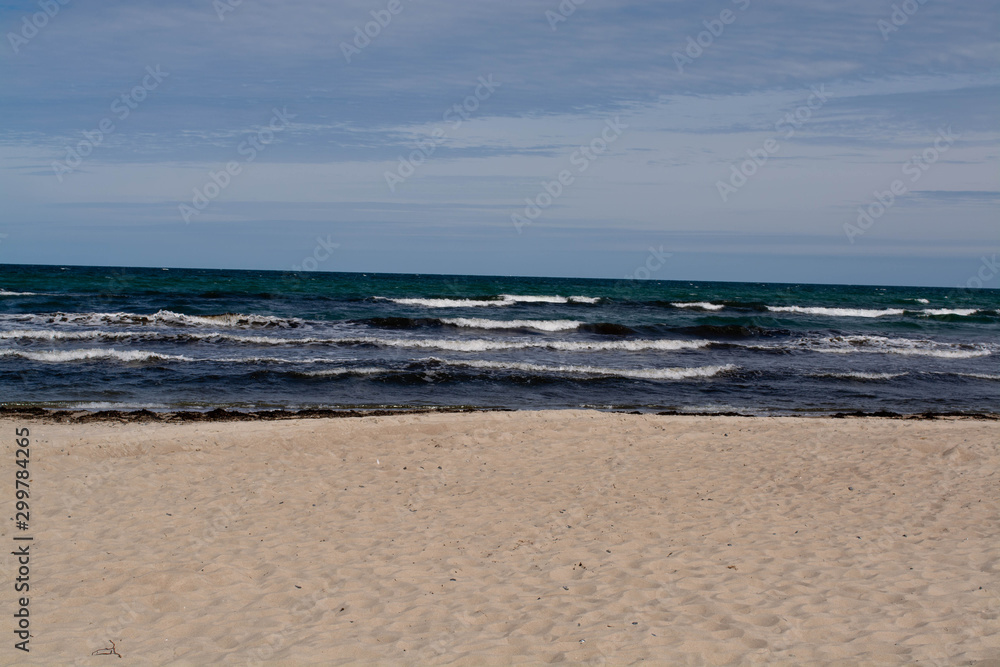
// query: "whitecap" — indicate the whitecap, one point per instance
point(541, 325)
point(93, 354)
point(642, 374)
point(836, 312)
point(950, 311)
point(449, 303)
point(858, 375)
point(703, 305)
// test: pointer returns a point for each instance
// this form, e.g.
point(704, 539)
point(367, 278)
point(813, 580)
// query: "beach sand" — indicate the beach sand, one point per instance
point(511, 537)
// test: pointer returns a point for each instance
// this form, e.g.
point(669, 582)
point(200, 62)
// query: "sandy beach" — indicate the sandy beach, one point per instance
point(511, 537)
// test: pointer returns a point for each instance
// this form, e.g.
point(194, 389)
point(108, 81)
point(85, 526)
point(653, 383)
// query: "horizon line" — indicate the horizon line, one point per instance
point(477, 275)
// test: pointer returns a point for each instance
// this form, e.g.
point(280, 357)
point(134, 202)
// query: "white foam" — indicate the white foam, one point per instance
point(449, 303)
point(162, 317)
point(980, 376)
point(703, 305)
point(643, 374)
point(919, 300)
point(483, 345)
point(534, 299)
point(457, 345)
point(541, 325)
point(901, 346)
point(881, 345)
point(628, 345)
point(861, 375)
point(103, 405)
point(36, 334)
point(367, 370)
point(950, 311)
point(58, 356)
point(486, 345)
point(837, 312)
point(504, 300)
point(4, 292)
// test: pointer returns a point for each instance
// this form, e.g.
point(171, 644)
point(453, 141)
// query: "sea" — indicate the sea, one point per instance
point(99, 338)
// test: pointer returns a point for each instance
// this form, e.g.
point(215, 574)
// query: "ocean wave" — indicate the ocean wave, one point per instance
point(457, 345)
point(448, 303)
point(641, 374)
point(886, 345)
point(919, 300)
point(501, 300)
point(42, 334)
point(366, 370)
point(964, 312)
point(605, 328)
point(4, 292)
point(836, 312)
point(517, 298)
point(700, 305)
point(93, 354)
point(541, 325)
point(980, 376)
point(873, 312)
point(161, 317)
point(857, 375)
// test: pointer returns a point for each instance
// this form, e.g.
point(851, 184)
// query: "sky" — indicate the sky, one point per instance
point(853, 142)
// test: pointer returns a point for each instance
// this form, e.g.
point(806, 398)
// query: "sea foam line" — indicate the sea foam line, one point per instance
point(459, 345)
point(859, 375)
point(980, 376)
point(159, 317)
point(643, 374)
point(871, 312)
point(503, 300)
point(93, 354)
point(541, 325)
point(702, 305)
point(836, 312)
point(883, 345)
point(950, 311)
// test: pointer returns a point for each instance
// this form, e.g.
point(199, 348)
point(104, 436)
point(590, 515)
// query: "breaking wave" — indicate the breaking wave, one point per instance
point(642, 374)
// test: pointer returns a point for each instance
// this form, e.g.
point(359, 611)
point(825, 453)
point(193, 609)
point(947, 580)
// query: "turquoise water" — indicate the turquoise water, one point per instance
point(97, 337)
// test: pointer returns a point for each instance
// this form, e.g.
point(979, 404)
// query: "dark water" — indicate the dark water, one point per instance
point(96, 337)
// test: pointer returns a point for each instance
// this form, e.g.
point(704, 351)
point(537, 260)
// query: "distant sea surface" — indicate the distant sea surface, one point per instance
point(115, 338)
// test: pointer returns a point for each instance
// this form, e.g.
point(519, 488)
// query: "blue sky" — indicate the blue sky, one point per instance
point(740, 136)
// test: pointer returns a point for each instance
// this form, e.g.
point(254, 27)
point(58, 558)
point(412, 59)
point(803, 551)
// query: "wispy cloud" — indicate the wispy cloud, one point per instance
point(890, 92)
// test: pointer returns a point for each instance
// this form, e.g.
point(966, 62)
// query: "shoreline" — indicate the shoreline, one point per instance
point(170, 416)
